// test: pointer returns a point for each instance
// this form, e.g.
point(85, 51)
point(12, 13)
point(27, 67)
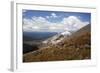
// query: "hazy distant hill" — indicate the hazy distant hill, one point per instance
point(35, 36)
point(77, 46)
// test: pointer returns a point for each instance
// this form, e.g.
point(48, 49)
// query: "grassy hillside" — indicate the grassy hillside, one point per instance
point(76, 47)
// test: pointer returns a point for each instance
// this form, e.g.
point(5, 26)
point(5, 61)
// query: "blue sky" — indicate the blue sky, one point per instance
point(37, 19)
point(30, 13)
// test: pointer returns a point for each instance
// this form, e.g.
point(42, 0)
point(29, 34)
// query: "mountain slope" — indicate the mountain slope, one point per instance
point(57, 38)
point(75, 47)
point(81, 37)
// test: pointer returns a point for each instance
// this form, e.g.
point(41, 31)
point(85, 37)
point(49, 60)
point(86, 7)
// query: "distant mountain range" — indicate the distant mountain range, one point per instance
point(37, 36)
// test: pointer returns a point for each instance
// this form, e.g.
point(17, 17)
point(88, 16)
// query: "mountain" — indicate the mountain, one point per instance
point(57, 38)
point(76, 46)
point(80, 36)
point(64, 35)
point(36, 36)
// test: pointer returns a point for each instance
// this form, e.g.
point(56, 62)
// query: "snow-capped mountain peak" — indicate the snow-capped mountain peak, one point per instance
point(66, 33)
point(57, 38)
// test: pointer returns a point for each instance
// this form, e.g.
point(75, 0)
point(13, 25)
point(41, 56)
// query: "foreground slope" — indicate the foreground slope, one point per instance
point(75, 47)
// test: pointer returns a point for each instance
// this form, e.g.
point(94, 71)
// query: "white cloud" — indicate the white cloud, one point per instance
point(42, 24)
point(74, 23)
point(27, 21)
point(52, 27)
point(47, 17)
point(35, 27)
point(53, 15)
point(40, 19)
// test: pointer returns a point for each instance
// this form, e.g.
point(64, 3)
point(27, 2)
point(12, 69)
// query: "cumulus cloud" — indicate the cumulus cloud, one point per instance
point(47, 17)
point(53, 15)
point(73, 23)
point(42, 24)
